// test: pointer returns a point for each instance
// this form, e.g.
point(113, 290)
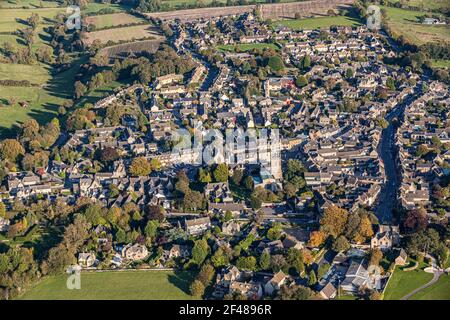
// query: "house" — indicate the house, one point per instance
point(356, 276)
point(4, 224)
point(328, 291)
point(401, 258)
point(231, 228)
point(197, 226)
point(86, 259)
point(386, 237)
point(253, 291)
point(275, 283)
point(177, 251)
point(134, 252)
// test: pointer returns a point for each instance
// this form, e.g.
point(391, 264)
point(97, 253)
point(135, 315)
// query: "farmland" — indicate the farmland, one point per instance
point(136, 285)
point(319, 22)
point(405, 23)
point(122, 34)
point(111, 20)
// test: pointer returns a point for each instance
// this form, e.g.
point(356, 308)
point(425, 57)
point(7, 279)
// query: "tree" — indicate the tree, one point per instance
point(349, 73)
point(275, 63)
point(108, 154)
point(80, 89)
point(248, 183)
point(305, 62)
point(316, 238)
point(204, 176)
point(301, 81)
point(220, 173)
point(219, 258)
point(10, 149)
point(197, 289)
point(375, 257)
point(237, 176)
point(2, 210)
point(312, 279)
point(206, 274)
point(155, 213)
point(193, 200)
point(277, 263)
point(255, 203)
point(390, 84)
point(441, 254)
point(295, 260)
point(151, 228)
point(333, 221)
point(415, 220)
point(140, 167)
point(200, 251)
point(294, 292)
point(246, 263)
point(341, 244)
point(323, 269)
point(264, 261)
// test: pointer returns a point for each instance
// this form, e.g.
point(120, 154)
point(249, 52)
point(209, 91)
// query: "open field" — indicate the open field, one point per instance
point(36, 74)
point(405, 22)
point(319, 22)
point(110, 20)
point(426, 4)
point(43, 101)
point(122, 50)
point(438, 291)
point(139, 285)
point(13, 19)
point(28, 3)
point(247, 46)
point(123, 34)
point(440, 63)
point(403, 282)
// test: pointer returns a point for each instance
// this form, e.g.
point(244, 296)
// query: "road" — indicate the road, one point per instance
point(387, 199)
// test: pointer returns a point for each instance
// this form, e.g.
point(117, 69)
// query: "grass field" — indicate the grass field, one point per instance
point(247, 46)
point(122, 34)
point(403, 282)
point(28, 3)
point(43, 102)
point(440, 63)
point(438, 291)
point(110, 20)
point(405, 22)
point(426, 4)
point(139, 285)
point(319, 22)
point(36, 74)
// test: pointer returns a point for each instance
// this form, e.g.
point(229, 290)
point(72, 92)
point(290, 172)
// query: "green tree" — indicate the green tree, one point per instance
point(200, 251)
point(151, 228)
point(264, 261)
point(206, 274)
point(301, 81)
point(220, 173)
point(341, 244)
point(11, 149)
point(312, 279)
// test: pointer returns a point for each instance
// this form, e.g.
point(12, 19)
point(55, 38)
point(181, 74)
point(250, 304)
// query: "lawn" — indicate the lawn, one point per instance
point(247, 46)
point(438, 291)
point(319, 22)
point(101, 92)
point(28, 3)
point(110, 20)
point(36, 74)
point(403, 282)
point(122, 34)
point(130, 285)
point(405, 22)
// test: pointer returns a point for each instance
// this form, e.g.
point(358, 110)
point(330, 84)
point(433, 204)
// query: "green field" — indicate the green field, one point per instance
point(114, 19)
point(319, 22)
point(403, 282)
point(426, 4)
point(438, 291)
point(405, 23)
point(36, 74)
point(130, 285)
point(28, 3)
point(440, 63)
point(247, 46)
